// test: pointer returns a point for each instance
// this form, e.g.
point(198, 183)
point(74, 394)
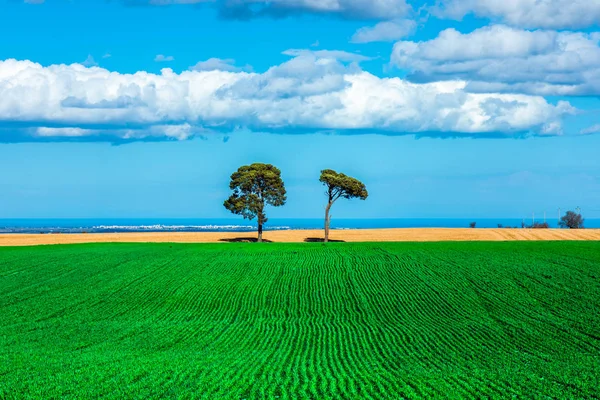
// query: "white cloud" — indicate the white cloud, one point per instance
point(174, 131)
point(163, 58)
point(549, 14)
point(504, 59)
point(387, 31)
point(337, 55)
point(107, 55)
point(219, 64)
point(590, 130)
point(308, 93)
point(64, 132)
point(178, 132)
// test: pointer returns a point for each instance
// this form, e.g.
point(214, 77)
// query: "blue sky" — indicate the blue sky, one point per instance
point(467, 109)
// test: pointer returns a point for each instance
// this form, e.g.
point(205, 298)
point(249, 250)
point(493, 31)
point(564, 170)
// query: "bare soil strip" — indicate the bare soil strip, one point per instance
point(358, 235)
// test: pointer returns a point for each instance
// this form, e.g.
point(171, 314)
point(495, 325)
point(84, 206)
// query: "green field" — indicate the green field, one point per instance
point(253, 321)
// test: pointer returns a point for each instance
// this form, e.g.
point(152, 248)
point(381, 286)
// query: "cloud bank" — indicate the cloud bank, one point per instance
point(548, 14)
point(312, 92)
point(504, 59)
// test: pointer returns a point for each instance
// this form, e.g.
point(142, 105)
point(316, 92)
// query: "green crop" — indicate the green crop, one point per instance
point(234, 321)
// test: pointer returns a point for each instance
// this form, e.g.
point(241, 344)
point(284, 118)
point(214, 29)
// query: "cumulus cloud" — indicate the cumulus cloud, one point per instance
point(387, 31)
point(163, 58)
point(549, 14)
point(305, 94)
point(503, 59)
point(219, 64)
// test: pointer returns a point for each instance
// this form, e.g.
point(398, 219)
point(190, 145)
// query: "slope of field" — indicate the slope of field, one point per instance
point(346, 235)
point(379, 320)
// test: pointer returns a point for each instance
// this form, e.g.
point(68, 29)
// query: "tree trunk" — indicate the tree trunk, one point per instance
point(327, 221)
point(260, 229)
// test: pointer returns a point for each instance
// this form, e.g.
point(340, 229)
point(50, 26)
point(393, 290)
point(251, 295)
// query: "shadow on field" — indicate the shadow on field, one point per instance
point(244, 240)
point(321, 240)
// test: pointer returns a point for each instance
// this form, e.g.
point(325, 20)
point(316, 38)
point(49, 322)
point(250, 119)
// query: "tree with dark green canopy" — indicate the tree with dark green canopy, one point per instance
point(340, 185)
point(255, 186)
point(571, 220)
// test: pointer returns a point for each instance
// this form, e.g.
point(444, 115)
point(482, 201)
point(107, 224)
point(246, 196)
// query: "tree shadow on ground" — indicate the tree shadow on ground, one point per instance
point(243, 240)
point(321, 240)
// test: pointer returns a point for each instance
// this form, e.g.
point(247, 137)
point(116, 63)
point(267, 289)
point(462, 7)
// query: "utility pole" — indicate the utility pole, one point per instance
point(544, 217)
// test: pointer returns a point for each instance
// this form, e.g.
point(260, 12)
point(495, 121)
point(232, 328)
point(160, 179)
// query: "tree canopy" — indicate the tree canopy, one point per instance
point(571, 220)
point(255, 186)
point(340, 186)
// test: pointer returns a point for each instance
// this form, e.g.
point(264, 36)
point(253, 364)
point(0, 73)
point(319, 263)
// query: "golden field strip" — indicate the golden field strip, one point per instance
point(291, 236)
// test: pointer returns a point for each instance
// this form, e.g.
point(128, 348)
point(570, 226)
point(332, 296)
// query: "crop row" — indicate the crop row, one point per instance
point(459, 320)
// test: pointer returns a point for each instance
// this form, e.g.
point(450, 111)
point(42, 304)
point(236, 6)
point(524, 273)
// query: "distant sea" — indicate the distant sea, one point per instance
point(238, 225)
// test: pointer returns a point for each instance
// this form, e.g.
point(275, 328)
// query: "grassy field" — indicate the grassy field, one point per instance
point(403, 320)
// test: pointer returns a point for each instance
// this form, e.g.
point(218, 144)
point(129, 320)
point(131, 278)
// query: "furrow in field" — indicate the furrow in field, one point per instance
point(446, 327)
point(416, 307)
point(255, 333)
point(413, 320)
point(420, 345)
point(260, 335)
point(382, 355)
